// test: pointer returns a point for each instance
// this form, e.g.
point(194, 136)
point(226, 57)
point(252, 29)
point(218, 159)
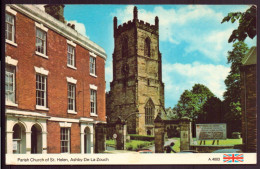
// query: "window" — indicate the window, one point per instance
point(40, 41)
point(149, 112)
point(92, 65)
point(65, 140)
point(41, 94)
point(147, 47)
point(10, 83)
point(93, 101)
point(125, 47)
point(71, 55)
point(9, 27)
point(71, 97)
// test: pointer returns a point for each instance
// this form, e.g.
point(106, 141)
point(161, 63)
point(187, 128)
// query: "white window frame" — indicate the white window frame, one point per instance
point(44, 91)
point(44, 30)
point(12, 14)
point(71, 56)
point(62, 139)
point(93, 90)
point(13, 73)
point(72, 97)
point(41, 71)
point(92, 65)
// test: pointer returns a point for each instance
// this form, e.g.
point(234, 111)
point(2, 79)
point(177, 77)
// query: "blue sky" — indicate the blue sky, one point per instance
point(193, 42)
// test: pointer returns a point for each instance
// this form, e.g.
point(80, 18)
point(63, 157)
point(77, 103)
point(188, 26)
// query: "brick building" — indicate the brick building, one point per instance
point(248, 100)
point(137, 90)
point(54, 83)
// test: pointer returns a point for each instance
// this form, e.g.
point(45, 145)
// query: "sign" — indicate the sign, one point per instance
point(214, 131)
point(114, 136)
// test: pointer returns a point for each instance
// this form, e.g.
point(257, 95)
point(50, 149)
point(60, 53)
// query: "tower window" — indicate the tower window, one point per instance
point(125, 47)
point(147, 47)
point(149, 112)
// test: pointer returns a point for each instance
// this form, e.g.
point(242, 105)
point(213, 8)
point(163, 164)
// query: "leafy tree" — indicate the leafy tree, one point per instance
point(247, 24)
point(191, 102)
point(212, 112)
point(232, 94)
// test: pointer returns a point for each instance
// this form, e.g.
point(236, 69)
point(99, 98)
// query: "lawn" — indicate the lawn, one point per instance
point(176, 147)
point(132, 145)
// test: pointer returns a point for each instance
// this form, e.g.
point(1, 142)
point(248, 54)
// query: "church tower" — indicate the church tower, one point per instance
point(137, 90)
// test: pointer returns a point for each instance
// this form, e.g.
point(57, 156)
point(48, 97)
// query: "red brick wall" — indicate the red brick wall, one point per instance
point(56, 64)
point(58, 71)
point(53, 137)
point(248, 104)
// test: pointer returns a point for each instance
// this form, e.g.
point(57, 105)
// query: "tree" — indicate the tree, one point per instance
point(232, 94)
point(212, 111)
point(247, 24)
point(191, 102)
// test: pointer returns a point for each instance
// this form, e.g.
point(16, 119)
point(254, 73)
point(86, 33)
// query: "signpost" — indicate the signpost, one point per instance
point(214, 131)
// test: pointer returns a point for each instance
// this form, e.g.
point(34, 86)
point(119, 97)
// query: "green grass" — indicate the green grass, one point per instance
point(176, 147)
point(226, 142)
point(132, 145)
point(137, 144)
point(111, 143)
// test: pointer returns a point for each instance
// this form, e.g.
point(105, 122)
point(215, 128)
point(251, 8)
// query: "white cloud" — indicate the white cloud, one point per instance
point(179, 77)
point(80, 27)
point(108, 73)
point(198, 26)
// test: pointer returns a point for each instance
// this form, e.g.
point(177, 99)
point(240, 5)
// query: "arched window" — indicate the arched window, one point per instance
point(125, 47)
point(147, 47)
point(149, 112)
point(19, 139)
point(36, 139)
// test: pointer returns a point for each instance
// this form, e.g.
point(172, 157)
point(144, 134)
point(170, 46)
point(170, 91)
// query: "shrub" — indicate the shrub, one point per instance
point(141, 137)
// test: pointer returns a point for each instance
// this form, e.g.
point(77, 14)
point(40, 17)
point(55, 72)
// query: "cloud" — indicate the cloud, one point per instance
point(80, 27)
point(108, 73)
point(179, 77)
point(197, 26)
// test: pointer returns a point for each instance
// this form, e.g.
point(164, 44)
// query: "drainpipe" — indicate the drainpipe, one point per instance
point(245, 116)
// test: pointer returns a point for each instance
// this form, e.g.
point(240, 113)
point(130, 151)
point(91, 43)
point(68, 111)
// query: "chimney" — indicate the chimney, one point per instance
point(56, 11)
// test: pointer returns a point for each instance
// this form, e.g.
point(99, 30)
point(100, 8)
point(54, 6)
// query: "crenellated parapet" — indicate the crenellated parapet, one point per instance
point(136, 23)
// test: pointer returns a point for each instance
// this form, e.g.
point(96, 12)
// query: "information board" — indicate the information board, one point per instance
point(214, 131)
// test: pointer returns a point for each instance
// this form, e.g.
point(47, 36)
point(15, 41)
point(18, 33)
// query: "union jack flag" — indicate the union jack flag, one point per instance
point(233, 158)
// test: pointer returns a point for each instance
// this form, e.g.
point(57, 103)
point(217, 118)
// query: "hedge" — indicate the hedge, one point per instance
point(141, 137)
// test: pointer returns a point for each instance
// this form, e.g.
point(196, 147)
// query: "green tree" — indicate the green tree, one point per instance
point(191, 102)
point(247, 24)
point(212, 111)
point(232, 94)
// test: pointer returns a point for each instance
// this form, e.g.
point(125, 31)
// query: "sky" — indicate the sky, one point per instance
point(192, 40)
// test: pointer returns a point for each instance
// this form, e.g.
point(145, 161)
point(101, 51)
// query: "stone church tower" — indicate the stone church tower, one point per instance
point(137, 90)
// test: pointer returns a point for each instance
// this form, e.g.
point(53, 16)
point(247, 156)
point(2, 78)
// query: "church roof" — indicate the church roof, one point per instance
point(250, 58)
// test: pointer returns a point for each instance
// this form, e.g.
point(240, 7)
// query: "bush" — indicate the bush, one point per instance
point(141, 137)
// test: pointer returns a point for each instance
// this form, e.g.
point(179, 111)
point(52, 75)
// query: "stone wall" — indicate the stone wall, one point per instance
point(136, 77)
point(248, 104)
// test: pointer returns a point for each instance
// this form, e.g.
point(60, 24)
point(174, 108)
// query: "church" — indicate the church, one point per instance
point(136, 92)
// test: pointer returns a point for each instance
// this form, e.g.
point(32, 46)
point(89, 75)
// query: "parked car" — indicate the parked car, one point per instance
point(228, 151)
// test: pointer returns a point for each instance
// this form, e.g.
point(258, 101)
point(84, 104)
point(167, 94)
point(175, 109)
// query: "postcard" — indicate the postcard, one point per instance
point(99, 84)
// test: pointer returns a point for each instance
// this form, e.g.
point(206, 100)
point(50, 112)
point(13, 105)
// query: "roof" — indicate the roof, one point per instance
point(61, 28)
point(250, 58)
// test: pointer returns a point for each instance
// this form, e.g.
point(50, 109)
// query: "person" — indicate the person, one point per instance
point(169, 148)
